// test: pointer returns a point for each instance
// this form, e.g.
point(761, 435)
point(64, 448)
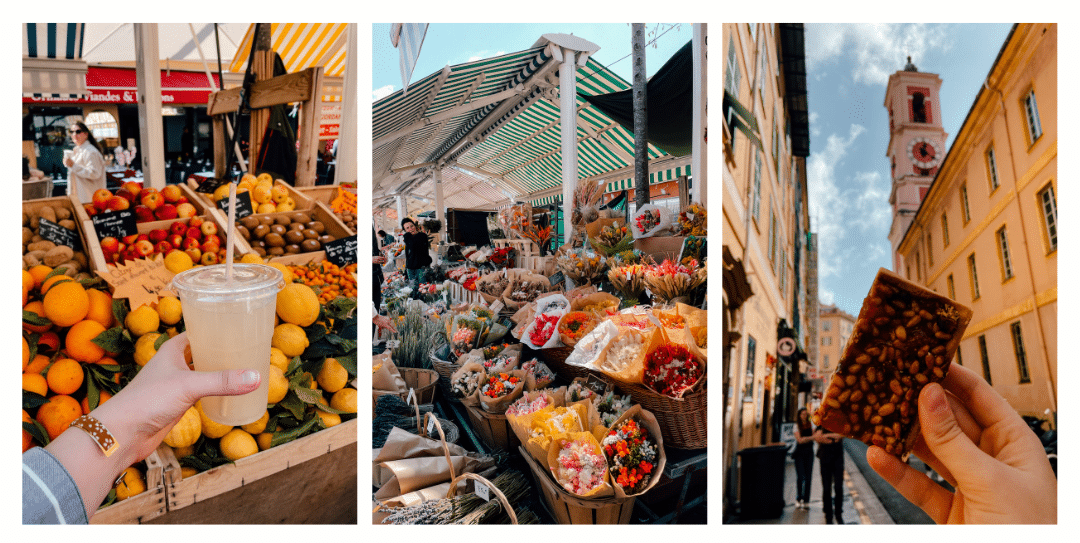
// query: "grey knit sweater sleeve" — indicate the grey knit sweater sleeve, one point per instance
point(49, 493)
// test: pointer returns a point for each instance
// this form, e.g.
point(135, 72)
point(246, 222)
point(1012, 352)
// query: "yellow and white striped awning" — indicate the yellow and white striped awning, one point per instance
point(302, 46)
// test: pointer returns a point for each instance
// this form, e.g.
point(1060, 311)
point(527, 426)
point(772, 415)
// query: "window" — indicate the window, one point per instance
point(732, 76)
point(1018, 349)
point(965, 210)
point(825, 363)
point(944, 231)
point(826, 325)
point(748, 385)
point(985, 360)
point(755, 206)
point(973, 276)
point(952, 286)
point(1048, 205)
point(773, 241)
point(918, 266)
point(959, 359)
point(991, 169)
point(1031, 109)
point(783, 272)
point(1003, 254)
point(102, 125)
point(918, 108)
point(929, 250)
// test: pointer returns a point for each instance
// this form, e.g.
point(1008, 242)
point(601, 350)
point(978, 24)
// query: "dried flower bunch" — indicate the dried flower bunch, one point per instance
point(631, 455)
point(581, 467)
point(669, 280)
point(671, 370)
point(692, 221)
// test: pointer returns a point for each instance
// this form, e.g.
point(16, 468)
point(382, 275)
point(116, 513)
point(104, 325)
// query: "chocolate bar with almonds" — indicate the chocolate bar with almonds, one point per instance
point(905, 337)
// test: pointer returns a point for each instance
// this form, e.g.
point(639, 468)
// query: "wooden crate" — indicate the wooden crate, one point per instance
point(322, 213)
point(494, 430)
point(661, 247)
point(312, 479)
point(567, 508)
point(97, 257)
point(524, 247)
point(142, 507)
point(304, 202)
point(75, 207)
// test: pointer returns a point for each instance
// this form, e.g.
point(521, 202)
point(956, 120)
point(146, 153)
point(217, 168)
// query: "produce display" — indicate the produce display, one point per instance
point(344, 205)
point(38, 251)
point(284, 233)
point(149, 204)
point(268, 195)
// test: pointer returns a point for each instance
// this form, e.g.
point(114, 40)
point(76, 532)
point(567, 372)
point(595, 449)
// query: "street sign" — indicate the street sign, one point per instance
point(785, 347)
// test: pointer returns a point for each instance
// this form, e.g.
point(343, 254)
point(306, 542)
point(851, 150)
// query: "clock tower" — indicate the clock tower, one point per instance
point(916, 146)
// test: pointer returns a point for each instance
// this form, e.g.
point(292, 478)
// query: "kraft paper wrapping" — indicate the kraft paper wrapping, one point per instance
point(416, 473)
point(521, 424)
point(524, 276)
point(386, 378)
point(632, 370)
point(412, 498)
point(552, 462)
point(696, 319)
point(472, 400)
point(648, 420)
point(544, 425)
point(580, 292)
point(403, 445)
point(514, 351)
point(589, 349)
point(608, 302)
point(697, 384)
point(497, 406)
point(531, 382)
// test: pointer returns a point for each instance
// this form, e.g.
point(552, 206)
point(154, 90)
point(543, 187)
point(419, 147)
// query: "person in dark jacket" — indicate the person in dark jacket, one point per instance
point(386, 238)
point(831, 459)
point(377, 262)
point(804, 458)
point(417, 258)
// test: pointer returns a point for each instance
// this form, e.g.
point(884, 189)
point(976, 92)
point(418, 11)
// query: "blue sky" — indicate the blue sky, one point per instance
point(848, 66)
point(455, 43)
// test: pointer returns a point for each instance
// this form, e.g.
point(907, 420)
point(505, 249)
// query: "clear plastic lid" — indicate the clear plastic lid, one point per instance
point(247, 279)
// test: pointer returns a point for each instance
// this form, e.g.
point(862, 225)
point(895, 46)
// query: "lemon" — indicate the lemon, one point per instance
point(168, 310)
point(344, 400)
point(286, 206)
point(142, 321)
point(263, 440)
point(264, 179)
point(251, 258)
point(278, 358)
point(333, 376)
point(177, 261)
point(210, 428)
point(258, 426)
point(186, 472)
point(279, 385)
point(285, 272)
point(261, 193)
point(132, 484)
point(268, 207)
point(144, 347)
point(290, 338)
point(238, 444)
point(181, 452)
point(328, 419)
point(186, 431)
point(298, 304)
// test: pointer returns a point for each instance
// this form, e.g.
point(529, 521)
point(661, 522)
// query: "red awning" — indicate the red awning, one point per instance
point(118, 86)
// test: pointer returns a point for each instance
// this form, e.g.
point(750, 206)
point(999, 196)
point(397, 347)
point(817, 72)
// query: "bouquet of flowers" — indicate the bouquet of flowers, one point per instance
point(481, 255)
point(692, 221)
point(491, 351)
point(625, 258)
point(492, 285)
point(465, 382)
point(613, 239)
point(693, 249)
point(586, 196)
point(629, 280)
point(515, 218)
point(543, 328)
point(650, 220)
point(460, 274)
point(539, 236)
point(647, 220)
point(581, 265)
point(537, 374)
point(502, 257)
point(579, 466)
point(468, 333)
point(577, 391)
point(669, 280)
point(600, 304)
point(526, 406)
point(623, 359)
point(502, 362)
point(631, 454)
point(589, 349)
point(500, 389)
point(671, 370)
point(574, 325)
point(611, 407)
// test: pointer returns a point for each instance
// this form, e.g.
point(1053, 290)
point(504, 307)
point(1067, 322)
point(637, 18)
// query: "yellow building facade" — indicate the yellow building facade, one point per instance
point(834, 329)
point(985, 233)
point(769, 308)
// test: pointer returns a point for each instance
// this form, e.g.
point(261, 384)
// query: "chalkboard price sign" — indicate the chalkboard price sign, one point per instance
point(557, 279)
point(341, 252)
point(243, 205)
point(115, 224)
point(59, 235)
point(210, 185)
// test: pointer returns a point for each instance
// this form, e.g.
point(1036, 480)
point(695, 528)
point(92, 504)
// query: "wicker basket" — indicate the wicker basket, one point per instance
point(445, 369)
point(452, 433)
point(555, 358)
point(494, 430)
point(420, 380)
point(566, 508)
point(683, 423)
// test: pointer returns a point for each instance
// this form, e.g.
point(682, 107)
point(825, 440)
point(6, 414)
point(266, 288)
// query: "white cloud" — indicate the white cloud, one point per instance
point(814, 130)
point(829, 204)
point(381, 92)
point(878, 49)
point(825, 296)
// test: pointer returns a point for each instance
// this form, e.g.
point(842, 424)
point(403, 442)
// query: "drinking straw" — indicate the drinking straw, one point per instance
point(230, 235)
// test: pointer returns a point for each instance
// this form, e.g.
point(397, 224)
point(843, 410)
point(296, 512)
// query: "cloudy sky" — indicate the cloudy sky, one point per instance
point(455, 43)
point(848, 66)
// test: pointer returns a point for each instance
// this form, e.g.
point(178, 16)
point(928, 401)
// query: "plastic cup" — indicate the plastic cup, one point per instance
point(229, 326)
point(68, 153)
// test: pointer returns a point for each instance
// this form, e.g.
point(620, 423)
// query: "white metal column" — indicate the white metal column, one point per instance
point(402, 209)
point(699, 159)
point(440, 211)
point(148, 80)
point(345, 169)
point(568, 120)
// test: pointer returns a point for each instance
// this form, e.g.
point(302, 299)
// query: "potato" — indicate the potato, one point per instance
point(67, 223)
point(29, 260)
point(27, 234)
point(35, 238)
point(80, 257)
point(71, 268)
point(44, 245)
point(58, 255)
point(47, 213)
point(62, 213)
point(25, 218)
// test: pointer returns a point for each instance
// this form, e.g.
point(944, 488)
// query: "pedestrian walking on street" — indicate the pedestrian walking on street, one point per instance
point(804, 459)
point(831, 457)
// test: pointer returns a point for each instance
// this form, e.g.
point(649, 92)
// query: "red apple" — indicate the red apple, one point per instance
point(100, 199)
point(118, 203)
point(113, 258)
point(127, 196)
point(110, 244)
point(132, 187)
point(189, 243)
point(91, 209)
point(163, 247)
point(158, 234)
point(181, 200)
point(143, 248)
point(166, 212)
point(128, 240)
point(171, 193)
point(152, 200)
point(142, 237)
point(176, 240)
point(208, 228)
point(185, 210)
point(213, 238)
point(178, 228)
point(195, 253)
point(209, 258)
point(196, 221)
point(209, 247)
point(143, 214)
point(193, 232)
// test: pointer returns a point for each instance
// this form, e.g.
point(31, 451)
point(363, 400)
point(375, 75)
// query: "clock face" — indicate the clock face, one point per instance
point(923, 152)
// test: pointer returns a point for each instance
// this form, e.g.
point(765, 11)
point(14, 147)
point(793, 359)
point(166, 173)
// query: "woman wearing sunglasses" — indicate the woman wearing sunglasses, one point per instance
point(86, 166)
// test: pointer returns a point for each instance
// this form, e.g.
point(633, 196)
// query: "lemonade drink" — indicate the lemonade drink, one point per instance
point(229, 325)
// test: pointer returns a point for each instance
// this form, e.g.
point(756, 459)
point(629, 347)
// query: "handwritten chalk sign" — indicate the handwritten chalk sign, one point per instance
point(557, 279)
point(59, 235)
point(208, 186)
point(597, 385)
point(341, 252)
point(482, 491)
point(142, 281)
point(243, 205)
point(116, 224)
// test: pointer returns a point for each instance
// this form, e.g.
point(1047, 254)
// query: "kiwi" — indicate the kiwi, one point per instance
point(244, 232)
point(261, 231)
point(274, 240)
point(292, 249)
point(267, 220)
point(282, 220)
point(275, 251)
point(294, 237)
point(326, 238)
point(296, 226)
point(311, 234)
point(250, 222)
point(310, 245)
point(259, 250)
point(317, 226)
point(300, 217)
point(277, 229)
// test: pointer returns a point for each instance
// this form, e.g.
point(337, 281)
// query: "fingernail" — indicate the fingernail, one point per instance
point(249, 378)
point(935, 398)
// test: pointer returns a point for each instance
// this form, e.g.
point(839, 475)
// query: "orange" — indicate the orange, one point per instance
point(106, 361)
point(66, 303)
point(79, 342)
point(38, 273)
point(133, 483)
point(27, 281)
point(48, 283)
point(25, 354)
point(65, 376)
point(57, 413)
point(50, 340)
point(35, 382)
point(103, 396)
point(100, 307)
point(27, 440)
point(38, 309)
point(38, 364)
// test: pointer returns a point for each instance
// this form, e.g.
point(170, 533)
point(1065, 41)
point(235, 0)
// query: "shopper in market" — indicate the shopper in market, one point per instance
point(804, 458)
point(386, 238)
point(66, 481)
point(831, 459)
point(417, 257)
point(86, 165)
